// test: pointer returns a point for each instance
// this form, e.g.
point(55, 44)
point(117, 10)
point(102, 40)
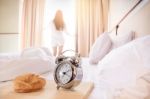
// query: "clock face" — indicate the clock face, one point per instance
point(64, 73)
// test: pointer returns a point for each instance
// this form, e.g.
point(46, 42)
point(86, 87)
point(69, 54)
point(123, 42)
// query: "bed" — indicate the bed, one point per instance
point(123, 73)
point(119, 68)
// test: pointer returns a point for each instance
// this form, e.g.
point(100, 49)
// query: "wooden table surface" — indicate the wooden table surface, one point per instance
point(48, 92)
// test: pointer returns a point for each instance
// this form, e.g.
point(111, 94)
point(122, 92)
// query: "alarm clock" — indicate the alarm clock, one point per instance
point(68, 72)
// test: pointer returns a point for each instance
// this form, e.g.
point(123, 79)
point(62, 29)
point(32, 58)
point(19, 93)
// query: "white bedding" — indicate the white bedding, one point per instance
point(35, 60)
point(118, 72)
point(89, 73)
point(102, 90)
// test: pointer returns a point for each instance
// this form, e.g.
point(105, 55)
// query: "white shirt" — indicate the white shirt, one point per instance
point(57, 36)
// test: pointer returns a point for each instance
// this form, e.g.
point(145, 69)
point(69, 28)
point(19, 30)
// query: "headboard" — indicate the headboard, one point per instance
point(129, 15)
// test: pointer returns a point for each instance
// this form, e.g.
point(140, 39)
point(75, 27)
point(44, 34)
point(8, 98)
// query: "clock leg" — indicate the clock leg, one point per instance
point(58, 87)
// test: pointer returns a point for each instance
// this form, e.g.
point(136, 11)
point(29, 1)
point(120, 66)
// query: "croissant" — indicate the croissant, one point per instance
point(28, 83)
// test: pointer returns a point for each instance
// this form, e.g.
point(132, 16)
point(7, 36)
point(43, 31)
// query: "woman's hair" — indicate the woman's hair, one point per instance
point(58, 20)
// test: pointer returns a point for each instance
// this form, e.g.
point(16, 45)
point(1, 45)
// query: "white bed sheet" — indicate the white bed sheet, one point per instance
point(101, 90)
point(90, 72)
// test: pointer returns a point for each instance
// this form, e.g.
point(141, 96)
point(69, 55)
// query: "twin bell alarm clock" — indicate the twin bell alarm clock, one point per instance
point(68, 72)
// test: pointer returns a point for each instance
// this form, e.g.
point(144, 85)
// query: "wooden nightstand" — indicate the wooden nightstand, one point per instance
point(49, 92)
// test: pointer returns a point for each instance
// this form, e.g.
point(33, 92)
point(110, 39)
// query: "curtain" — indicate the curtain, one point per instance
point(92, 19)
point(32, 23)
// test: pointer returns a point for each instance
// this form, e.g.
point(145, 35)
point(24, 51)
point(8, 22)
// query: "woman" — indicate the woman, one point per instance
point(57, 33)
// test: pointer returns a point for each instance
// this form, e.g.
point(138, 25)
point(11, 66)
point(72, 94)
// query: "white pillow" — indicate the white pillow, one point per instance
point(26, 65)
point(34, 52)
point(100, 48)
point(47, 51)
point(119, 40)
point(122, 66)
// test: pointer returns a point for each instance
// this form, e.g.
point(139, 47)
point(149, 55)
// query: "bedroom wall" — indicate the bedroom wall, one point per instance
point(138, 21)
point(9, 14)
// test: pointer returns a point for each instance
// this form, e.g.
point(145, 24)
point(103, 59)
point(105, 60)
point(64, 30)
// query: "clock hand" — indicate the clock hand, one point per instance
point(65, 73)
point(68, 75)
point(67, 70)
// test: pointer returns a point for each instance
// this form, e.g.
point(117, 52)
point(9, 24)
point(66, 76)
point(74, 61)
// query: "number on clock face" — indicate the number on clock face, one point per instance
point(64, 73)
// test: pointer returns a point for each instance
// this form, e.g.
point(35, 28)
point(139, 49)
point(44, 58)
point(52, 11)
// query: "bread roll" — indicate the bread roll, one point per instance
point(28, 83)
